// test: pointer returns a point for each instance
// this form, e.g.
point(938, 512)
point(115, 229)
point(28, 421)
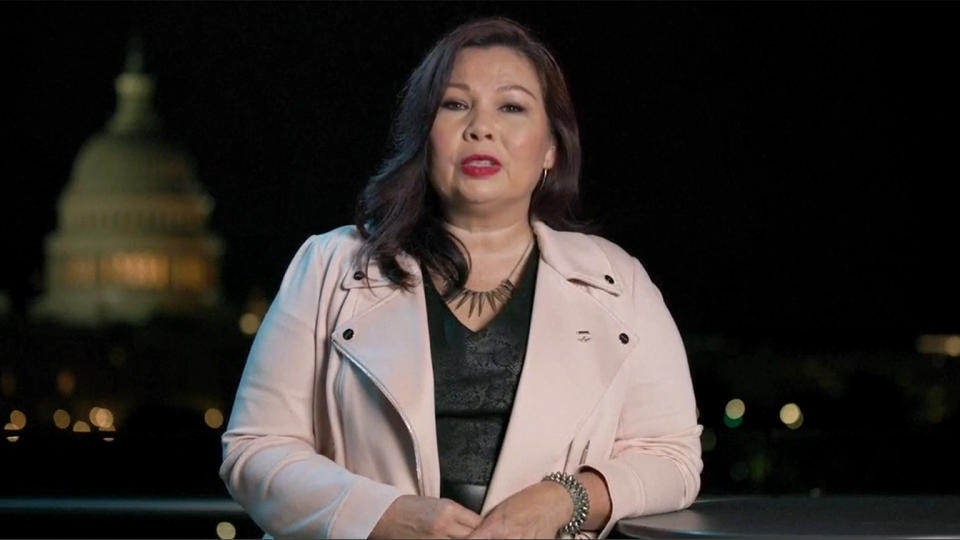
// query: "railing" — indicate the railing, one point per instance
point(121, 517)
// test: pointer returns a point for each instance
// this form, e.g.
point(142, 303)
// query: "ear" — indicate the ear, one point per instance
point(550, 159)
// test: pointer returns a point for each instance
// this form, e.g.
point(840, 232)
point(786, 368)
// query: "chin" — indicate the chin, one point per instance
point(481, 191)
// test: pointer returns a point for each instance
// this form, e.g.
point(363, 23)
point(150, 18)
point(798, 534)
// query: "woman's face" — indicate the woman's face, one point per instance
point(491, 137)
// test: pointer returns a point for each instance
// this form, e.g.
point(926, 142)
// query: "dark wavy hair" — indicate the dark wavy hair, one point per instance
point(399, 210)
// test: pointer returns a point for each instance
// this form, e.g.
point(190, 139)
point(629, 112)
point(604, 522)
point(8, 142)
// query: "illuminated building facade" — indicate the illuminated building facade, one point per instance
point(132, 239)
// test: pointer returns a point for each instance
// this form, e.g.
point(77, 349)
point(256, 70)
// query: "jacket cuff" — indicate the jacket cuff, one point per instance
point(362, 508)
point(623, 496)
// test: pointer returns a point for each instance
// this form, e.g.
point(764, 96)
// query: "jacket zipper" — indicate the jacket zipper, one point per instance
point(406, 422)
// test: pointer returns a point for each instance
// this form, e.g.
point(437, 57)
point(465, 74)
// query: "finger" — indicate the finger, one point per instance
point(483, 531)
point(469, 518)
point(462, 514)
point(458, 530)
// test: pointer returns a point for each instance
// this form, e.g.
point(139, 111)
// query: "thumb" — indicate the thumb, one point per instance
point(480, 531)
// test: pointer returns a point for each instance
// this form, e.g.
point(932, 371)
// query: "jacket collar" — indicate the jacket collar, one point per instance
point(574, 256)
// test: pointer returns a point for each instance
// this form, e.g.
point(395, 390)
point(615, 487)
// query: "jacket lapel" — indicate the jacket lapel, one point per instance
point(573, 352)
point(390, 342)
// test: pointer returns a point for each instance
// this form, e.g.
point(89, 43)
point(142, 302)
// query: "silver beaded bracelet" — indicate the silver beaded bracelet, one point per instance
point(581, 501)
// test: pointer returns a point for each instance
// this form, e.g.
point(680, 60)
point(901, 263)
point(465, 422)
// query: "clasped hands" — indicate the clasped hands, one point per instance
point(537, 511)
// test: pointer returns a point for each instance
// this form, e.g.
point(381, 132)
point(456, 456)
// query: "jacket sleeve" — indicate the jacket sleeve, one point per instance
point(655, 462)
point(271, 465)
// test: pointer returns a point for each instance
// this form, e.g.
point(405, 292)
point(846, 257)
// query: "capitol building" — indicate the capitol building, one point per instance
point(131, 241)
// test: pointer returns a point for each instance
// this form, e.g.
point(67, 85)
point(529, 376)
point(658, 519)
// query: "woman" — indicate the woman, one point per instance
point(462, 363)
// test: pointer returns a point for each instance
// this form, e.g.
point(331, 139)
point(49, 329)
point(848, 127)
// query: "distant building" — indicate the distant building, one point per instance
point(132, 239)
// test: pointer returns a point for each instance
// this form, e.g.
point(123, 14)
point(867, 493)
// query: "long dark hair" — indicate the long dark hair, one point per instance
point(398, 209)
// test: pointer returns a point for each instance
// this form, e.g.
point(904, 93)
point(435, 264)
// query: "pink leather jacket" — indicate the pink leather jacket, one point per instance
point(334, 414)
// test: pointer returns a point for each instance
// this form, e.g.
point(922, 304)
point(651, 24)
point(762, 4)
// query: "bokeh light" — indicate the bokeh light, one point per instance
point(18, 419)
point(249, 323)
point(226, 530)
point(791, 415)
point(101, 417)
point(939, 344)
point(213, 418)
point(61, 418)
point(81, 426)
point(733, 413)
point(735, 408)
point(951, 346)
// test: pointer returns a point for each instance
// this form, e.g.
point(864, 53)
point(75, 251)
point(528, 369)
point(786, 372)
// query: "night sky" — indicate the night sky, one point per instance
point(775, 166)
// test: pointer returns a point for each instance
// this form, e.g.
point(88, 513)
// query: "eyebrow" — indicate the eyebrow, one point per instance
point(503, 88)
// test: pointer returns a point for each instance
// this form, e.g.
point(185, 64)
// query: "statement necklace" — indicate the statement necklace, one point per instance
point(498, 295)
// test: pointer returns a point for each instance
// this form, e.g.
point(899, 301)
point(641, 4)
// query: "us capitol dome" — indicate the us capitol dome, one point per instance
point(131, 241)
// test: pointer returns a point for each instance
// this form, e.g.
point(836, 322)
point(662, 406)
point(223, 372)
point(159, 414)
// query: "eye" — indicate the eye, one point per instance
point(453, 105)
point(513, 108)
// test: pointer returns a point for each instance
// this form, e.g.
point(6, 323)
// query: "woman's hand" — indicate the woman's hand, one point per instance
point(537, 511)
point(411, 516)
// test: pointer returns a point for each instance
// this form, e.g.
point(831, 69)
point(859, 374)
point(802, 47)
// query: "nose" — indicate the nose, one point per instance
point(479, 129)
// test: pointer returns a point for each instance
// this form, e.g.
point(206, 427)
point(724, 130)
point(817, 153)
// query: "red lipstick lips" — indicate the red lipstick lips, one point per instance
point(479, 165)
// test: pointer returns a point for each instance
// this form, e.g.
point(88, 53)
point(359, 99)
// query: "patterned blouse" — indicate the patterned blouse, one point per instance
point(475, 379)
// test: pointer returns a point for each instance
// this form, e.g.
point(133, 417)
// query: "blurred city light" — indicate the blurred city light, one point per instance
point(18, 419)
point(939, 344)
point(249, 324)
point(226, 530)
point(213, 418)
point(101, 417)
point(61, 418)
point(733, 413)
point(105, 418)
point(81, 426)
point(735, 408)
point(791, 415)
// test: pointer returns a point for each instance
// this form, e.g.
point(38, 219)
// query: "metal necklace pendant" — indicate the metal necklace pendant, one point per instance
point(498, 295)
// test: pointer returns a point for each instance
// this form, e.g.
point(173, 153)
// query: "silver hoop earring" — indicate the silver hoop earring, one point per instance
point(543, 180)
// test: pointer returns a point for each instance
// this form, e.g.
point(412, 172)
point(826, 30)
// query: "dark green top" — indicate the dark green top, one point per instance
point(475, 378)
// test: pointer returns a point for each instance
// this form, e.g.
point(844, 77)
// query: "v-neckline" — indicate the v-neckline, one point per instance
point(448, 311)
